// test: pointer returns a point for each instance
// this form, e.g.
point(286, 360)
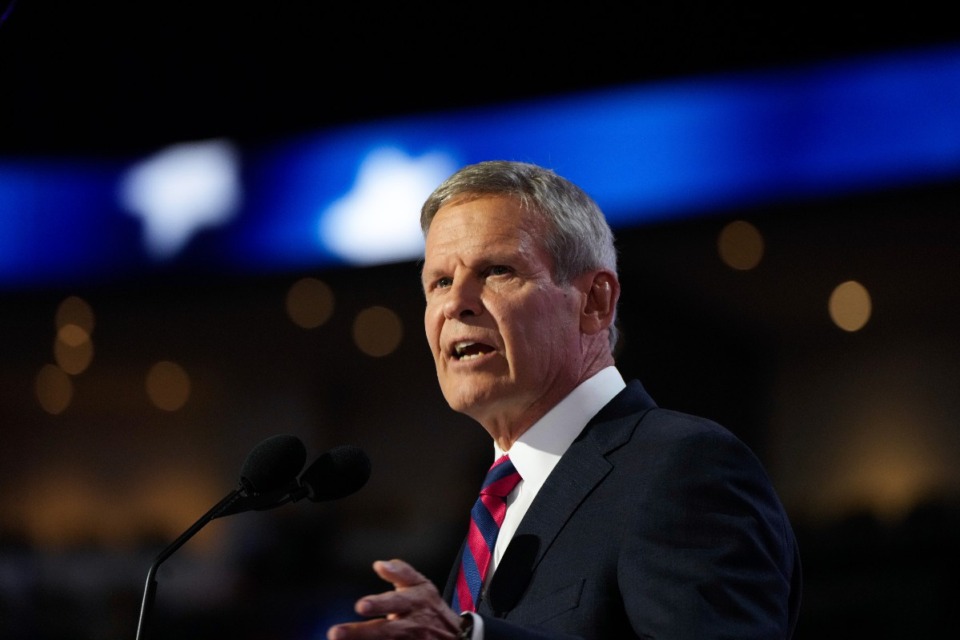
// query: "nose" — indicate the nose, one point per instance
point(463, 299)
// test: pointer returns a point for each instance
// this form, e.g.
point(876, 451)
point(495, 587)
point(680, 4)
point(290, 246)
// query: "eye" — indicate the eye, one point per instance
point(499, 270)
point(442, 283)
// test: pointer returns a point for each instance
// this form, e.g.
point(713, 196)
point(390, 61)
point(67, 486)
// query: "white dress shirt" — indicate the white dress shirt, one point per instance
point(537, 451)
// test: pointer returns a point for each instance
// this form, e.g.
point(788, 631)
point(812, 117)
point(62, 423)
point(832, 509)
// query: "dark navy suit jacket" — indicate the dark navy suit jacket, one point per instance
point(654, 524)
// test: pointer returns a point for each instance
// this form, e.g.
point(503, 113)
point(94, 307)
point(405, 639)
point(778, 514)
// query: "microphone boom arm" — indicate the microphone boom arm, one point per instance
point(269, 479)
point(150, 589)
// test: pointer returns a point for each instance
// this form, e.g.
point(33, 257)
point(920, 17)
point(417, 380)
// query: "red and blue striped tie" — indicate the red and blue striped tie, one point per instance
point(485, 520)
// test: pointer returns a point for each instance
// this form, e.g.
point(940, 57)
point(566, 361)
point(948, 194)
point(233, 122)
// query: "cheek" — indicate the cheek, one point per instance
point(431, 327)
point(551, 323)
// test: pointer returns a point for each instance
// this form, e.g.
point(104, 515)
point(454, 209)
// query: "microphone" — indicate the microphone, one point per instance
point(270, 465)
point(513, 573)
point(335, 474)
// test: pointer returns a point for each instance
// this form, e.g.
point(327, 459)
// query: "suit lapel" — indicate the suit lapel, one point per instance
point(581, 469)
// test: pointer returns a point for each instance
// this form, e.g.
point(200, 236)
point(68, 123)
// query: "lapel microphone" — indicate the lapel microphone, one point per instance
point(513, 573)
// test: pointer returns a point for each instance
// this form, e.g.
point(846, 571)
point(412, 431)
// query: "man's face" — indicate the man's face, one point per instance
point(504, 337)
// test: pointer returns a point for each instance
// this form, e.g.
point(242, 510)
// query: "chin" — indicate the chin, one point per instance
point(467, 401)
point(467, 406)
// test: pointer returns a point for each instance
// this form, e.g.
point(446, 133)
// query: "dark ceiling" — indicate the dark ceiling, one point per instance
point(120, 74)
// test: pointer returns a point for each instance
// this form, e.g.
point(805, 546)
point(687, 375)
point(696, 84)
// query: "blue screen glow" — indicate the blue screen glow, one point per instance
point(351, 195)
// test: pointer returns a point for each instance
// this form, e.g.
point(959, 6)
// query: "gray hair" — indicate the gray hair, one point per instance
point(577, 236)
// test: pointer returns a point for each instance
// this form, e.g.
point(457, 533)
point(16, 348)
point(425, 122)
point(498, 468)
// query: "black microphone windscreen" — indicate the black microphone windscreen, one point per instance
point(513, 574)
point(336, 474)
point(273, 464)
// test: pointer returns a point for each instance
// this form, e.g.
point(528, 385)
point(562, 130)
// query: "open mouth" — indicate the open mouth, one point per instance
point(464, 351)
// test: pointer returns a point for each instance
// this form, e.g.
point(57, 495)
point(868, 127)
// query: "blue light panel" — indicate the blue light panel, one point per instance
point(649, 152)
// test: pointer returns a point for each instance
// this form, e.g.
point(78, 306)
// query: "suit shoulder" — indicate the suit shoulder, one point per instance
point(675, 425)
point(677, 435)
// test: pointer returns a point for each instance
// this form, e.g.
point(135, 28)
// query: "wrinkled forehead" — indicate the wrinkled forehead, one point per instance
point(481, 231)
point(490, 211)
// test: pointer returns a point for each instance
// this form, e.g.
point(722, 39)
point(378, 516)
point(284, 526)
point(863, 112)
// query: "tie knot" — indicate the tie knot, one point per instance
point(501, 478)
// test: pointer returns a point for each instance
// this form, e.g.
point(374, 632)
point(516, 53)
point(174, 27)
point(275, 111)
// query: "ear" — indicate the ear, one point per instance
point(602, 291)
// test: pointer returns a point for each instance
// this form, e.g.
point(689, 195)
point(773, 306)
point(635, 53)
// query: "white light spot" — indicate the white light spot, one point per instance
point(379, 220)
point(180, 190)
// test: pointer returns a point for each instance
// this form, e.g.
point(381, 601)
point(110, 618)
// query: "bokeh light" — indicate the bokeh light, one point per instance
point(168, 385)
point(309, 303)
point(740, 245)
point(54, 389)
point(850, 306)
point(76, 311)
point(377, 331)
point(73, 349)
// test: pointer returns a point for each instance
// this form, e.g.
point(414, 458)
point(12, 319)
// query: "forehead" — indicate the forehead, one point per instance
point(484, 230)
point(477, 219)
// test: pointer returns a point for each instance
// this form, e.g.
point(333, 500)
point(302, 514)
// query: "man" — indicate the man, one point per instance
point(629, 521)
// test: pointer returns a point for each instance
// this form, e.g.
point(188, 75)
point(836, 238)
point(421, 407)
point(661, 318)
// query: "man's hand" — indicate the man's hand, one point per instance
point(414, 609)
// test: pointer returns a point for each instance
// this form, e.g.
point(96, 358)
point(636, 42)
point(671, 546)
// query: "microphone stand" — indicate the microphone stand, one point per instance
point(150, 589)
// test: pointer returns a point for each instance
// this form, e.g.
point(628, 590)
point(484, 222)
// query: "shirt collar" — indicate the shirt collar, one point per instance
point(538, 449)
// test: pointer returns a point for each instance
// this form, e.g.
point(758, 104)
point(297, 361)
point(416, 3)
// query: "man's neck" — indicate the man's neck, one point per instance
point(506, 428)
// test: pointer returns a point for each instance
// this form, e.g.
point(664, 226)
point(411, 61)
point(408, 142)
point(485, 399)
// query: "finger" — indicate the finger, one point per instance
point(400, 601)
point(384, 604)
point(369, 630)
point(399, 573)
